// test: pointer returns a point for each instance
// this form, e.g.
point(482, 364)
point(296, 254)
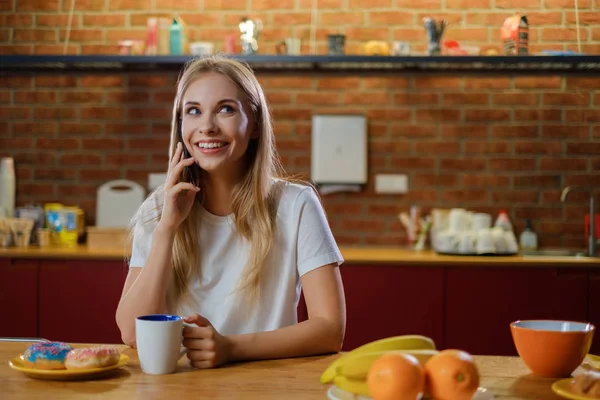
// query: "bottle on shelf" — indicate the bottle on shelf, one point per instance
point(528, 239)
point(503, 221)
point(7, 187)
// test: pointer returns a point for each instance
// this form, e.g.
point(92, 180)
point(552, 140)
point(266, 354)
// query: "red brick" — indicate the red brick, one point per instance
point(391, 18)
point(14, 49)
point(96, 112)
point(567, 99)
point(583, 180)
point(318, 98)
point(225, 4)
point(80, 159)
point(65, 190)
point(55, 81)
point(422, 82)
point(466, 98)
point(361, 33)
point(271, 4)
point(565, 131)
point(455, 19)
point(407, 34)
point(531, 82)
point(437, 147)
point(53, 49)
point(100, 49)
point(82, 97)
point(36, 5)
point(393, 146)
point(438, 115)
point(35, 159)
point(339, 83)
point(295, 113)
point(138, 97)
point(464, 164)
point(124, 159)
point(416, 98)
point(37, 128)
point(349, 18)
point(363, 98)
point(517, 196)
point(85, 5)
point(430, 4)
point(55, 174)
point(415, 131)
point(494, 181)
point(590, 83)
point(343, 208)
point(591, 148)
point(34, 35)
point(104, 20)
point(292, 18)
point(102, 144)
point(538, 114)
point(512, 164)
point(563, 34)
point(20, 20)
point(15, 112)
point(57, 144)
point(596, 164)
point(487, 115)
point(42, 189)
point(130, 5)
point(561, 4)
point(388, 114)
point(522, 4)
point(435, 180)
point(148, 144)
point(99, 175)
point(544, 18)
point(366, 225)
point(468, 34)
point(59, 113)
point(538, 181)
point(487, 19)
point(289, 82)
point(411, 163)
point(538, 147)
point(563, 164)
point(149, 113)
point(585, 17)
point(16, 143)
point(115, 35)
point(583, 115)
point(102, 81)
point(323, 4)
point(487, 147)
point(35, 97)
point(5, 97)
point(80, 128)
point(378, 130)
point(471, 196)
point(57, 20)
point(466, 131)
point(385, 83)
point(468, 4)
point(537, 212)
point(525, 99)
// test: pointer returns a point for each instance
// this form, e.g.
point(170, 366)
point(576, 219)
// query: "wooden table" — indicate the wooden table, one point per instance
point(506, 377)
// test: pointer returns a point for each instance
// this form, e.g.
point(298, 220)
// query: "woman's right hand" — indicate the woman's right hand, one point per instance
point(179, 196)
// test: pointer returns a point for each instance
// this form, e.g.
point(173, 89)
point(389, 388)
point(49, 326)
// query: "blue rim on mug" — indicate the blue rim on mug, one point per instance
point(159, 318)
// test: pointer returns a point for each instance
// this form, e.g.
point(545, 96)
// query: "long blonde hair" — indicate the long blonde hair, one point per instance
point(254, 200)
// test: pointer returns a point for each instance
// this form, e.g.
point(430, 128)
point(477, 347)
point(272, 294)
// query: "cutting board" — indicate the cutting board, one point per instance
point(116, 203)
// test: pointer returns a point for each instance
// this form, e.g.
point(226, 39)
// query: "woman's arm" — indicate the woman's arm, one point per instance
point(322, 333)
point(145, 289)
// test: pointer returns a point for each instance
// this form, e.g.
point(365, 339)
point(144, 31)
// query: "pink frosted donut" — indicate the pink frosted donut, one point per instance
point(92, 357)
point(46, 355)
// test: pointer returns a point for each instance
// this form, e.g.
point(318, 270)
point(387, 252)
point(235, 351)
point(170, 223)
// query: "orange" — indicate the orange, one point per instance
point(397, 376)
point(451, 375)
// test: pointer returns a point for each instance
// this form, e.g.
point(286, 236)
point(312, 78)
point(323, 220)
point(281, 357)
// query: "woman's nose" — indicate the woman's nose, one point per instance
point(207, 125)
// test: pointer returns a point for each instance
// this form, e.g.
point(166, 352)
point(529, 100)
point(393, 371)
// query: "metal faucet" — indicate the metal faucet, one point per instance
point(592, 232)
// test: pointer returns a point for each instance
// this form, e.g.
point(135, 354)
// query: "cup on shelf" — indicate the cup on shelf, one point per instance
point(467, 242)
point(481, 221)
point(485, 242)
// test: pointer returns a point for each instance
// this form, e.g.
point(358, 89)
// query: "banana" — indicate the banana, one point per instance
point(352, 386)
point(356, 367)
point(404, 342)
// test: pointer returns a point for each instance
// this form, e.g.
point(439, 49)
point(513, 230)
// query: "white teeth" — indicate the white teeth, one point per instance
point(210, 145)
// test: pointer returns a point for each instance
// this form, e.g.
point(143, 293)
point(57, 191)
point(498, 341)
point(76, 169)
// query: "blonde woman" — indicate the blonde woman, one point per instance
point(228, 242)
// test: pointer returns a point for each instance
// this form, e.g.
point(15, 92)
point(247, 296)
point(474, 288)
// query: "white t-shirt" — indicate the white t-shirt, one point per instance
point(303, 242)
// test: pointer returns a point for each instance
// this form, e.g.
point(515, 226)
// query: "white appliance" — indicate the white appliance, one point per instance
point(339, 149)
point(116, 203)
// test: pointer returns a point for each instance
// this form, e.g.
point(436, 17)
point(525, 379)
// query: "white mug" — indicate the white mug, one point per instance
point(158, 338)
point(481, 221)
point(458, 219)
point(467, 242)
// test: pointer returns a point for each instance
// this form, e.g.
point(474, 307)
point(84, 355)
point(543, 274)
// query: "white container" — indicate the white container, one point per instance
point(8, 185)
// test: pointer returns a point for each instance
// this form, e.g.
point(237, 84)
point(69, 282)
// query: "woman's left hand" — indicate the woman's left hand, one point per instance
point(207, 348)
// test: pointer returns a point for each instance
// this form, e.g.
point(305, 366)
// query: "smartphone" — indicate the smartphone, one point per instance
point(191, 174)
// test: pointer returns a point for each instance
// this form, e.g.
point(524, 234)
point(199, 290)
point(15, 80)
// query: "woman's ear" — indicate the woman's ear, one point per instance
point(255, 133)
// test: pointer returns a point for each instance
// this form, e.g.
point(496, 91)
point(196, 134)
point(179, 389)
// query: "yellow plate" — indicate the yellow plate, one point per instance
point(563, 388)
point(593, 360)
point(65, 374)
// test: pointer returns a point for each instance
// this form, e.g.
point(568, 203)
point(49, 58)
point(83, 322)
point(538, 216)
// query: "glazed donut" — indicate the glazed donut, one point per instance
point(46, 355)
point(92, 357)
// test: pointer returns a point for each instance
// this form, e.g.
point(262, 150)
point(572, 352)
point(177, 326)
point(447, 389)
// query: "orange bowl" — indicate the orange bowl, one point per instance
point(552, 349)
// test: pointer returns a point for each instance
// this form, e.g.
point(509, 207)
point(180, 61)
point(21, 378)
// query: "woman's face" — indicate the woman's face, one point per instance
point(216, 124)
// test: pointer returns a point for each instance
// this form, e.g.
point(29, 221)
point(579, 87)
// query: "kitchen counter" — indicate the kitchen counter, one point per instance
point(507, 378)
point(352, 255)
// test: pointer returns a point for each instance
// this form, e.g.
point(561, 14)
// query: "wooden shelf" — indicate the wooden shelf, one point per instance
point(362, 65)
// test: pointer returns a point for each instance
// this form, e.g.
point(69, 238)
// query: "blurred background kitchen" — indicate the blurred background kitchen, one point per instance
point(484, 143)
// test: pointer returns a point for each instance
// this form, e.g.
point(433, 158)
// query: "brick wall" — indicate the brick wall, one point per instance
point(482, 143)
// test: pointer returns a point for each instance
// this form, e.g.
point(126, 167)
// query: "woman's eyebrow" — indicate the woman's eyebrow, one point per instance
point(191, 102)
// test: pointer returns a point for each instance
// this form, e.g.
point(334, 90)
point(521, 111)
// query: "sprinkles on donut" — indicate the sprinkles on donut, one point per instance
point(47, 355)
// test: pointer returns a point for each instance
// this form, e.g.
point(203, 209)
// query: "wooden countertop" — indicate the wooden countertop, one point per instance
point(506, 378)
point(352, 255)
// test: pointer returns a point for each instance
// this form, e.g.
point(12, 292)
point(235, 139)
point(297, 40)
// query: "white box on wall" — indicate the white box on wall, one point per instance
point(339, 149)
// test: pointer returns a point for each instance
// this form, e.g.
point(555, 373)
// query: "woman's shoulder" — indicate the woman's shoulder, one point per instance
point(295, 193)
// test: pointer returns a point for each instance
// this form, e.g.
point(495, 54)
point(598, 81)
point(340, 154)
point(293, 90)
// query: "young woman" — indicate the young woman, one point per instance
point(229, 242)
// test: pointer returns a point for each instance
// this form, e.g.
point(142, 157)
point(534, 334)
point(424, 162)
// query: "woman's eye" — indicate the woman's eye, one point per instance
point(193, 111)
point(227, 109)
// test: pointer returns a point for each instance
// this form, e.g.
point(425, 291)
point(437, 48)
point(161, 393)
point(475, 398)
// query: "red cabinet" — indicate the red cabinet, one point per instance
point(78, 300)
point(390, 300)
point(18, 297)
point(482, 302)
point(594, 308)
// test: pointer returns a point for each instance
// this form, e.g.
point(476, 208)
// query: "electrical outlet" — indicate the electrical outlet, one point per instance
point(391, 183)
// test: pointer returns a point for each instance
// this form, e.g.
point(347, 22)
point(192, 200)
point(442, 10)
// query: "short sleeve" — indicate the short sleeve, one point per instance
point(143, 232)
point(316, 245)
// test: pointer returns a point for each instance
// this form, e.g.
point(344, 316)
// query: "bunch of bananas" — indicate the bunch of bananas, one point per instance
point(349, 372)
